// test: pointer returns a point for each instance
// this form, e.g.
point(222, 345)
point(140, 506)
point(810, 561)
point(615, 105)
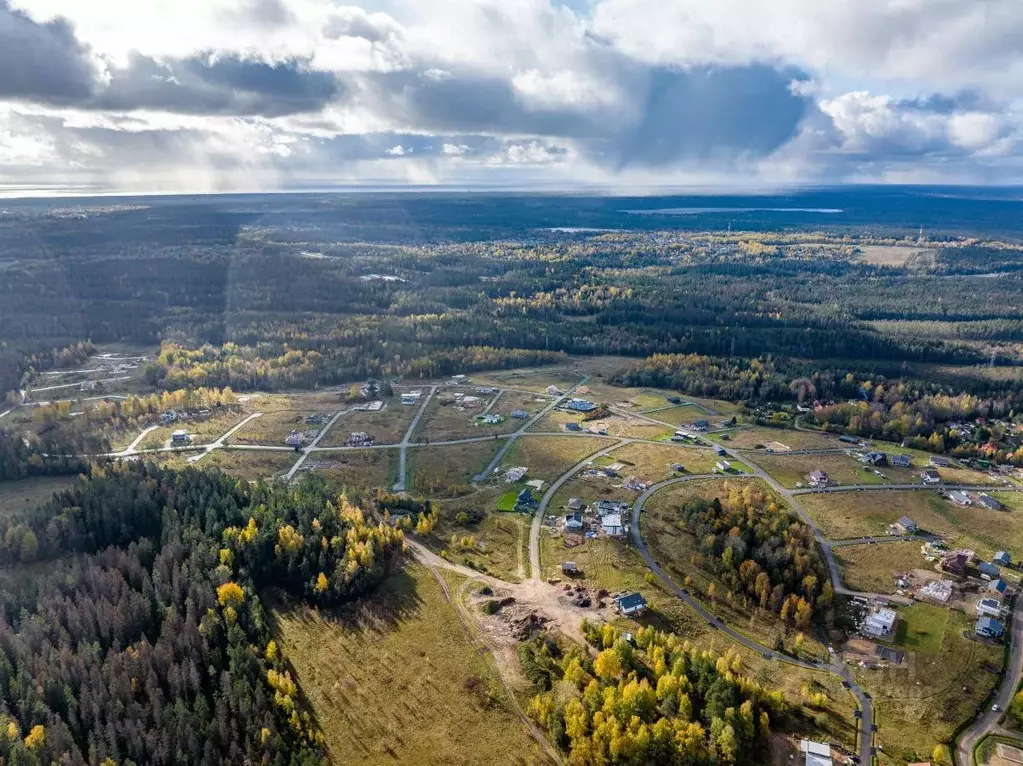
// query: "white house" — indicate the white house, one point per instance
point(989, 607)
point(815, 753)
point(515, 474)
point(411, 397)
point(960, 498)
point(880, 623)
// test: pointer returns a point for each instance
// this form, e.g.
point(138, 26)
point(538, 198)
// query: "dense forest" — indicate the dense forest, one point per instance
point(144, 639)
point(660, 701)
point(313, 291)
point(46, 456)
point(766, 557)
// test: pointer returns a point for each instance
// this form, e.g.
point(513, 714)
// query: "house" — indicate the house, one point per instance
point(519, 414)
point(180, 437)
point(359, 439)
point(374, 406)
point(569, 568)
point(955, 563)
point(701, 425)
point(815, 753)
point(635, 483)
point(848, 439)
point(515, 474)
point(1002, 558)
point(168, 417)
point(989, 502)
point(604, 507)
point(630, 605)
point(525, 501)
point(459, 380)
point(989, 627)
point(573, 522)
point(874, 458)
point(819, 478)
point(988, 569)
point(294, 439)
point(316, 419)
point(470, 401)
point(880, 623)
point(960, 498)
point(575, 504)
point(905, 526)
point(554, 391)
point(720, 452)
point(411, 397)
point(989, 607)
point(611, 525)
point(724, 466)
point(573, 427)
point(679, 436)
point(900, 461)
point(490, 419)
point(580, 405)
point(486, 390)
point(997, 586)
point(937, 461)
point(536, 484)
point(930, 476)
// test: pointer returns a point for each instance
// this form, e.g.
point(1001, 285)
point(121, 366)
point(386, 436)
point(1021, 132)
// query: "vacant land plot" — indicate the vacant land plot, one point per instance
point(250, 465)
point(555, 420)
point(536, 380)
point(500, 539)
point(395, 678)
point(447, 470)
point(942, 682)
point(547, 457)
point(273, 427)
point(791, 470)
point(445, 419)
point(757, 437)
point(653, 462)
point(630, 427)
point(514, 400)
point(843, 515)
point(682, 414)
point(871, 568)
point(26, 494)
point(716, 405)
point(893, 255)
point(387, 426)
point(202, 431)
point(357, 469)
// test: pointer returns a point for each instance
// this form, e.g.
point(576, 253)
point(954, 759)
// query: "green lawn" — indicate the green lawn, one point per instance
point(921, 628)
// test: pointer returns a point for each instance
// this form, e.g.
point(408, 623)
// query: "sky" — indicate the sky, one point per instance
point(258, 95)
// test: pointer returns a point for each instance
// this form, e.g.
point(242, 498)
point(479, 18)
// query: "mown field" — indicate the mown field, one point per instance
point(26, 494)
point(447, 470)
point(871, 568)
point(547, 457)
point(845, 515)
point(396, 679)
point(792, 470)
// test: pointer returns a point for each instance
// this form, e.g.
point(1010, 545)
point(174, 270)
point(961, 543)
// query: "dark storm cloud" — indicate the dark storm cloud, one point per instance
point(41, 61)
point(671, 115)
point(46, 63)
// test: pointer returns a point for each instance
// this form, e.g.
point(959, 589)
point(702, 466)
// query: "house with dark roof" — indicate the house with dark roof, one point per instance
point(955, 563)
point(1002, 558)
point(930, 476)
point(519, 414)
point(701, 425)
point(900, 461)
point(989, 502)
point(580, 405)
point(997, 586)
point(986, 568)
point(938, 461)
point(525, 501)
point(573, 522)
point(573, 427)
point(874, 458)
point(906, 526)
point(819, 478)
point(989, 627)
point(631, 604)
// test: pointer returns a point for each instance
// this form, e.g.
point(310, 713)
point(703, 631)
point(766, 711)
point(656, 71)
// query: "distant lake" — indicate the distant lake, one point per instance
point(698, 210)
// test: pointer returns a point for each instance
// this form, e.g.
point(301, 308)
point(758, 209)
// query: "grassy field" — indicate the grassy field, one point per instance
point(362, 469)
point(555, 420)
point(626, 426)
point(447, 470)
point(388, 426)
point(502, 538)
point(444, 420)
point(843, 515)
point(203, 431)
point(682, 414)
point(26, 494)
point(943, 680)
point(790, 470)
point(755, 437)
point(589, 490)
point(248, 464)
point(514, 400)
point(533, 379)
point(396, 678)
point(716, 405)
point(652, 462)
point(547, 457)
point(871, 568)
point(282, 415)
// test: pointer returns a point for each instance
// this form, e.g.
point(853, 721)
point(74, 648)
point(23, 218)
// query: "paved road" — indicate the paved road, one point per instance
point(987, 721)
point(931, 487)
point(79, 384)
point(399, 486)
point(866, 727)
point(131, 448)
point(207, 449)
point(496, 461)
point(312, 445)
point(541, 509)
point(5, 413)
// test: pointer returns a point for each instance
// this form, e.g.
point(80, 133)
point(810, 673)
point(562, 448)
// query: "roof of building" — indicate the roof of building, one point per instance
point(631, 602)
point(902, 460)
point(930, 473)
point(819, 475)
point(817, 753)
point(990, 625)
point(990, 502)
point(985, 567)
point(907, 522)
point(1002, 556)
point(611, 521)
point(998, 585)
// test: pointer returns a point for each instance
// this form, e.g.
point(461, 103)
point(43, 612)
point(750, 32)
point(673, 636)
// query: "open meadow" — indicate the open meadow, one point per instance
point(397, 678)
point(872, 568)
point(386, 426)
point(547, 457)
point(654, 462)
point(793, 470)
point(447, 470)
point(25, 494)
point(248, 464)
point(356, 469)
point(758, 437)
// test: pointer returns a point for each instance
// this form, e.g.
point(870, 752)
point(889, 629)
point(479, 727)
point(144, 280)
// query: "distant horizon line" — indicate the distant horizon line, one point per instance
point(16, 192)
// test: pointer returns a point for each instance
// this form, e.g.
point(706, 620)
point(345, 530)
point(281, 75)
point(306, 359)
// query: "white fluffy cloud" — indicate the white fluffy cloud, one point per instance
point(220, 94)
